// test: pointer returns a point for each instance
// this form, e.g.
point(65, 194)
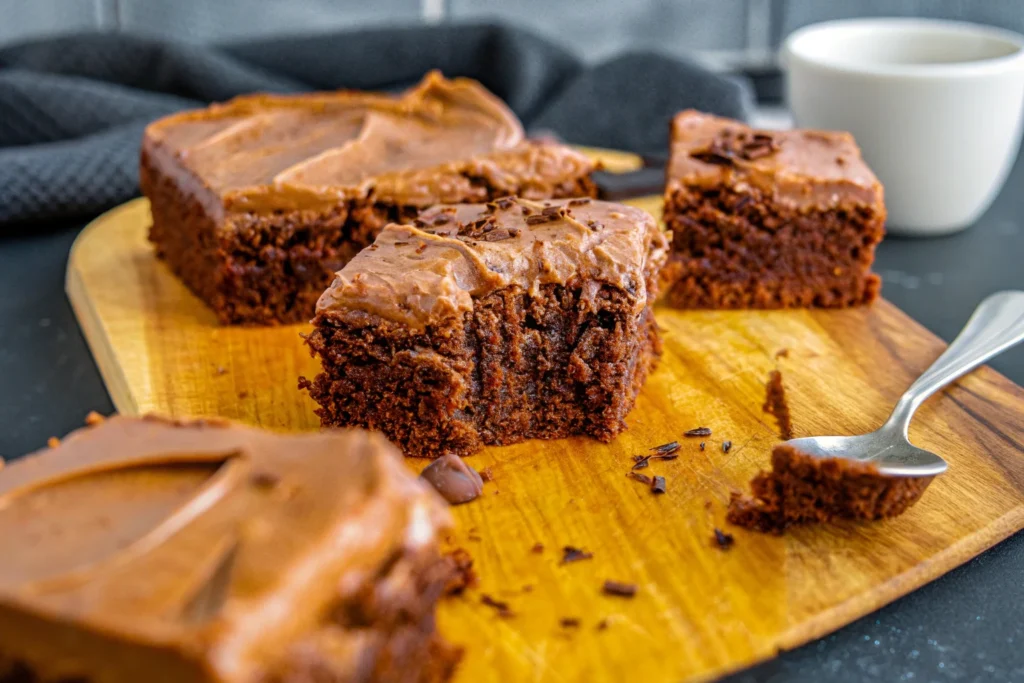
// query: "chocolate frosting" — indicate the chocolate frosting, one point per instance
point(419, 275)
point(143, 549)
point(264, 153)
point(805, 169)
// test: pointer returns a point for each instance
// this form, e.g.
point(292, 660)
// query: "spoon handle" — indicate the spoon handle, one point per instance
point(996, 325)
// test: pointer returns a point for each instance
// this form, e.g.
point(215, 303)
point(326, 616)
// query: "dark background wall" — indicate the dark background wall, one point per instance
point(727, 33)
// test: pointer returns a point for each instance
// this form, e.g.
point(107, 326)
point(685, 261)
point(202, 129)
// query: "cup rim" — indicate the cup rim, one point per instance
point(794, 50)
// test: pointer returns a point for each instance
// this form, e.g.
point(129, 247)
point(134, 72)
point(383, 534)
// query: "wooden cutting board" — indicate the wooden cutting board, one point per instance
point(699, 611)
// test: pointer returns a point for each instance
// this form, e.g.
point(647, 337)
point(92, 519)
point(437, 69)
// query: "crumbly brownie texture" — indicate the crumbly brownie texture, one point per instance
point(768, 219)
point(490, 324)
point(257, 202)
point(169, 552)
point(801, 488)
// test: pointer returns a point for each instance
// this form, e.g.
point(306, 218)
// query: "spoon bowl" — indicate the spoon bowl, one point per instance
point(996, 325)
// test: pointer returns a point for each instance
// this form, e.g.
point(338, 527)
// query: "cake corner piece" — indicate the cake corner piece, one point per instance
point(768, 219)
point(488, 324)
point(172, 551)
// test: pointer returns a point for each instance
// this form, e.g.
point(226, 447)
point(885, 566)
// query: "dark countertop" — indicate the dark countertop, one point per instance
point(965, 626)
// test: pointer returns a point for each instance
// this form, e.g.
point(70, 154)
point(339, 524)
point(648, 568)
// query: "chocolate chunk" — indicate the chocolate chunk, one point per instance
point(499, 605)
point(456, 481)
point(658, 486)
point(642, 478)
point(573, 554)
point(619, 589)
point(726, 445)
point(699, 431)
point(723, 540)
point(264, 479)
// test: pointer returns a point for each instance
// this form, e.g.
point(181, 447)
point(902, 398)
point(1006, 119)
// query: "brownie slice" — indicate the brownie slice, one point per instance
point(490, 324)
point(801, 488)
point(257, 202)
point(198, 552)
point(768, 219)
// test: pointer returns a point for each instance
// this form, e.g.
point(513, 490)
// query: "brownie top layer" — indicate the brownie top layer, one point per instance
point(263, 153)
point(802, 168)
point(177, 547)
point(420, 274)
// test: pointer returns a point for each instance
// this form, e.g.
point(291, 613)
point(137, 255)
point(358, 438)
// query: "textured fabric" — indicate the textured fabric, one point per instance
point(72, 109)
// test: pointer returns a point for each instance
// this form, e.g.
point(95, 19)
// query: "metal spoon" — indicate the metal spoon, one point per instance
point(996, 325)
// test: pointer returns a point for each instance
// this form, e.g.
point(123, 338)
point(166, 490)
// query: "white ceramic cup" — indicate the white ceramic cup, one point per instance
point(936, 107)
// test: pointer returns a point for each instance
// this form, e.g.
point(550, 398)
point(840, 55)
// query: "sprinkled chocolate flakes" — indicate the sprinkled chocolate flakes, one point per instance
point(699, 431)
point(574, 554)
point(619, 589)
point(723, 540)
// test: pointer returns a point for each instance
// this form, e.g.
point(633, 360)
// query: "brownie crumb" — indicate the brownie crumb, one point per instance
point(500, 606)
point(723, 540)
point(573, 554)
point(775, 405)
point(53, 442)
point(486, 475)
point(782, 353)
point(642, 478)
point(94, 418)
point(698, 431)
point(264, 480)
point(801, 488)
point(619, 589)
point(569, 622)
point(726, 446)
point(658, 486)
point(461, 573)
point(537, 548)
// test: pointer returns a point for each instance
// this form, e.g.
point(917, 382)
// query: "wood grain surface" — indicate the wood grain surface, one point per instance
point(699, 611)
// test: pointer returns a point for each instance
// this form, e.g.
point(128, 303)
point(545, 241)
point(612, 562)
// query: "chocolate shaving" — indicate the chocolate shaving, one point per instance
point(569, 622)
point(422, 248)
point(658, 486)
point(537, 219)
point(499, 605)
point(580, 201)
point(702, 445)
point(642, 478)
point(723, 540)
point(504, 203)
point(726, 445)
point(419, 223)
point(401, 244)
point(666, 448)
point(699, 431)
point(641, 463)
point(573, 554)
point(594, 225)
point(441, 219)
point(264, 480)
point(619, 589)
point(727, 148)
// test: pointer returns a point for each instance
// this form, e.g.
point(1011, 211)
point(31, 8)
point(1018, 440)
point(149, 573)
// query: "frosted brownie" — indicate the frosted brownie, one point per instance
point(492, 323)
point(768, 219)
point(165, 552)
point(257, 202)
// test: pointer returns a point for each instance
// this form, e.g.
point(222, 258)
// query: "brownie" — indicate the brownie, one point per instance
point(768, 219)
point(801, 488)
point(194, 552)
point(257, 202)
point(490, 324)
